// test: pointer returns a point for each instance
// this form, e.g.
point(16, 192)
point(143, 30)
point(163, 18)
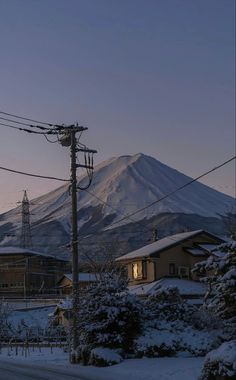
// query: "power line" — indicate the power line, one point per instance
point(27, 124)
point(9, 126)
point(173, 192)
point(34, 175)
point(48, 132)
point(26, 118)
point(108, 205)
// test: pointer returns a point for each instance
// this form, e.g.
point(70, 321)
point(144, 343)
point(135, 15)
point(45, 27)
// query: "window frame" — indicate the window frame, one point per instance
point(140, 272)
point(172, 272)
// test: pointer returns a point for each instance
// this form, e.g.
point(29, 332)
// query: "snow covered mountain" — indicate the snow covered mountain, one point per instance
point(120, 186)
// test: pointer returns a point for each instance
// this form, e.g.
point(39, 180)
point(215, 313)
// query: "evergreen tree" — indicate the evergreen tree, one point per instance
point(219, 272)
point(109, 316)
point(167, 304)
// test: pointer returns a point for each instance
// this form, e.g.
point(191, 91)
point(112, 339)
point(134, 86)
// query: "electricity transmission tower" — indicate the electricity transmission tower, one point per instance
point(26, 239)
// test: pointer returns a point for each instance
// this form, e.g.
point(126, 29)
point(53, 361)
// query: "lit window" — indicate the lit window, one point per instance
point(139, 270)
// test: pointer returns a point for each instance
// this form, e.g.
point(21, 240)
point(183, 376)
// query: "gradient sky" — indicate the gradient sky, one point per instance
point(151, 76)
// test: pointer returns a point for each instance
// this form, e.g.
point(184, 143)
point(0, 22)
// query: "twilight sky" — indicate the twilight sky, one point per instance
point(152, 76)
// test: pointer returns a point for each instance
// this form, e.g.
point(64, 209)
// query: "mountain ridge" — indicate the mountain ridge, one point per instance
point(121, 185)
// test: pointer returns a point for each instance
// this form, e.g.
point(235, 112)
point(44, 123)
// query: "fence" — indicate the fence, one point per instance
point(27, 348)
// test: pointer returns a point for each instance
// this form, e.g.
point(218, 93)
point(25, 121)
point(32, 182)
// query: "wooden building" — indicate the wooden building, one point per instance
point(64, 285)
point(172, 256)
point(24, 272)
point(63, 312)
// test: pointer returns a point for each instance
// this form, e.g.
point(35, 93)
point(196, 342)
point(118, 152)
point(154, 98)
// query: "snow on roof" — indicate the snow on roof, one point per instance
point(219, 254)
point(159, 245)
point(196, 251)
point(65, 304)
point(83, 276)
point(22, 251)
point(208, 247)
point(186, 287)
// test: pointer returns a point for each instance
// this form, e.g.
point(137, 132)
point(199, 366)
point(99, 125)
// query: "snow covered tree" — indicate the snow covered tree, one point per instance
point(167, 304)
point(220, 363)
point(109, 317)
point(219, 272)
point(229, 220)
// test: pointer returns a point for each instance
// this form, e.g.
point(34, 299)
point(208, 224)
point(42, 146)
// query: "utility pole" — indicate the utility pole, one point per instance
point(74, 246)
point(69, 139)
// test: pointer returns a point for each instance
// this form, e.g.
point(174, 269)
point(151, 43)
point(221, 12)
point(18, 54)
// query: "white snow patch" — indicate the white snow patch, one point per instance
point(132, 369)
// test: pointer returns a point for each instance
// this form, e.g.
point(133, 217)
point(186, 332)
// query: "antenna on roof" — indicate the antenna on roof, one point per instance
point(154, 235)
point(26, 239)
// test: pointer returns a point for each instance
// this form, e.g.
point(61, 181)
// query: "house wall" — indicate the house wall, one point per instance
point(65, 286)
point(12, 275)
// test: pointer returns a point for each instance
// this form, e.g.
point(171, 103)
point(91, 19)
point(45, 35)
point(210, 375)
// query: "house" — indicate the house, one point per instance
point(64, 285)
point(62, 315)
point(172, 256)
point(24, 272)
point(63, 312)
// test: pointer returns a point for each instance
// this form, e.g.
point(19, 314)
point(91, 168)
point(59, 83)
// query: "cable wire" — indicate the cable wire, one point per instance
point(34, 175)
point(110, 206)
point(27, 124)
point(26, 118)
point(49, 131)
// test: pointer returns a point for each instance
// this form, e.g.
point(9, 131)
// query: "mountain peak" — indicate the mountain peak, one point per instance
point(124, 184)
point(121, 186)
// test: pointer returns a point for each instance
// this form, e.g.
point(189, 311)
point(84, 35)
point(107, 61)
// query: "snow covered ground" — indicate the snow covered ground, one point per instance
point(133, 369)
point(36, 318)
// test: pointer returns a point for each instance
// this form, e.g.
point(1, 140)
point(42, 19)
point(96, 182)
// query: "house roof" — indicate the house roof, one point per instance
point(162, 244)
point(208, 247)
point(186, 287)
point(196, 251)
point(63, 305)
point(83, 277)
point(8, 251)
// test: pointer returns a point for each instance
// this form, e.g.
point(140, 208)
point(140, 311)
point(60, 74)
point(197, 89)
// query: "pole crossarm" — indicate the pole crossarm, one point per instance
point(86, 150)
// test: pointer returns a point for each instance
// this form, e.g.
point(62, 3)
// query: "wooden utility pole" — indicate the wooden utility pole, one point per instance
point(69, 139)
point(74, 247)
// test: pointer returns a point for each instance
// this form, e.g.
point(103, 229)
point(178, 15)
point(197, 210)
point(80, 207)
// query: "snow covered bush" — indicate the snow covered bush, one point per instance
point(220, 275)
point(103, 357)
point(220, 364)
point(156, 343)
point(170, 327)
point(167, 304)
point(172, 338)
point(109, 317)
point(205, 319)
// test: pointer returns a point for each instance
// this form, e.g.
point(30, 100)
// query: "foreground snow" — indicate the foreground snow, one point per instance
point(35, 318)
point(132, 369)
